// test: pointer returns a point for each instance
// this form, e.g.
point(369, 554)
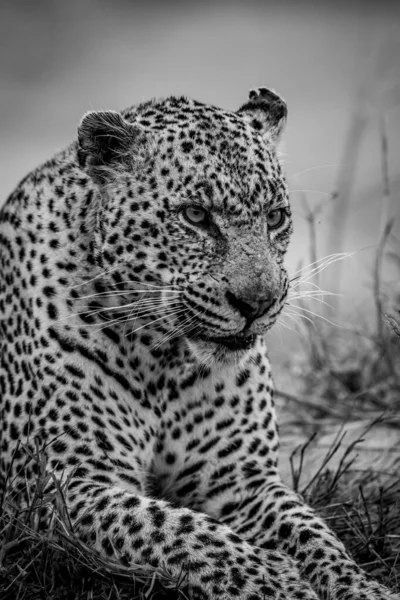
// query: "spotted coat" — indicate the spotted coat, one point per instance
point(139, 271)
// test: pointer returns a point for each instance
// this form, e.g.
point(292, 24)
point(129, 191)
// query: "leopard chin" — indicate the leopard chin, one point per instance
point(214, 351)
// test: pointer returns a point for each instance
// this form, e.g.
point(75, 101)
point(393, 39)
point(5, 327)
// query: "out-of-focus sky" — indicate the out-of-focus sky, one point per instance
point(330, 60)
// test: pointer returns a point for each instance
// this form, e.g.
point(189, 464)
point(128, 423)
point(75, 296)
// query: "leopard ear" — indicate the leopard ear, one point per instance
point(266, 112)
point(108, 144)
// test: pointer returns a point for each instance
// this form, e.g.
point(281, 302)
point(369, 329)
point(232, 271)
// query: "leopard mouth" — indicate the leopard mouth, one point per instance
point(233, 342)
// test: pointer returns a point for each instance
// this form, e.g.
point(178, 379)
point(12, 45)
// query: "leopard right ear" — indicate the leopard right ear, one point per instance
point(266, 111)
point(108, 144)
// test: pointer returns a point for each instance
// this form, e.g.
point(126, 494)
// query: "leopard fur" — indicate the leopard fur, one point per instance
point(139, 271)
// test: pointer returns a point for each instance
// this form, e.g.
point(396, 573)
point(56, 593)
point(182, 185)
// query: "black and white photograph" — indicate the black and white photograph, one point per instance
point(199, 300)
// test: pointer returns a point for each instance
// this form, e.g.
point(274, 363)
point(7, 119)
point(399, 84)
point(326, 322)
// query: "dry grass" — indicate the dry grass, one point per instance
point(39, 562)
point(348, 465)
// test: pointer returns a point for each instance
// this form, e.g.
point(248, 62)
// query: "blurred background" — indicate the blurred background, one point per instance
point(336, 63)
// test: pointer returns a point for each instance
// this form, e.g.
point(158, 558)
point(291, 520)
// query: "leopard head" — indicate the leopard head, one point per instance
point(191, 199)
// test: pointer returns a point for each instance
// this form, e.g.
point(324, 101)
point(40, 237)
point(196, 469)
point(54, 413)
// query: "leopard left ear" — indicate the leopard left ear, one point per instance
point(266, 112)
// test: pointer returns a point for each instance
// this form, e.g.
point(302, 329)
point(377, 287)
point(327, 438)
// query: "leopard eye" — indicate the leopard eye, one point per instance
point(195, 215)
point(275, 218)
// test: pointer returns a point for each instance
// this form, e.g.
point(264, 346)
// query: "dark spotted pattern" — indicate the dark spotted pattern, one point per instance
point(139, 269)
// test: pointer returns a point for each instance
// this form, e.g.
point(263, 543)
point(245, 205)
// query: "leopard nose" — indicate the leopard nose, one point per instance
point(250, 308)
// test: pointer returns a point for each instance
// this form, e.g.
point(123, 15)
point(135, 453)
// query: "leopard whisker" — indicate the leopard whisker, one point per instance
point(316, 298)
point(296, 316)
point(184, 329)
point(305, 273)
point(122, 293)
point(176, 332)
point(103, 274)
point(136, 313)
point(112, 269)
point(315, 290)
point(281, 323)
point(151, 322)
point(151, 285)
point(313, 169)
point(158, 287)
point(123, 319)
point(124, 308)
point(314, 314)
point(328, 194)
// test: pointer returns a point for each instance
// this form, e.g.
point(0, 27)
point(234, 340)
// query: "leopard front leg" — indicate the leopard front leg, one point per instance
point(278, 518)
point(238, 484)
point(217, 563)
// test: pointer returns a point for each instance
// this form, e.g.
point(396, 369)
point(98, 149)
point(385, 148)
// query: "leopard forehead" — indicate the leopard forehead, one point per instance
point(211, 155)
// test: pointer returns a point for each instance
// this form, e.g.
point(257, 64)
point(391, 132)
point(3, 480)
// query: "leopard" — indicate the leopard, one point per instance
point(140, 269)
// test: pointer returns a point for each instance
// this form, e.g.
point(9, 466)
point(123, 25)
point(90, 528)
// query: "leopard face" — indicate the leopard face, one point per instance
point(192, 198)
